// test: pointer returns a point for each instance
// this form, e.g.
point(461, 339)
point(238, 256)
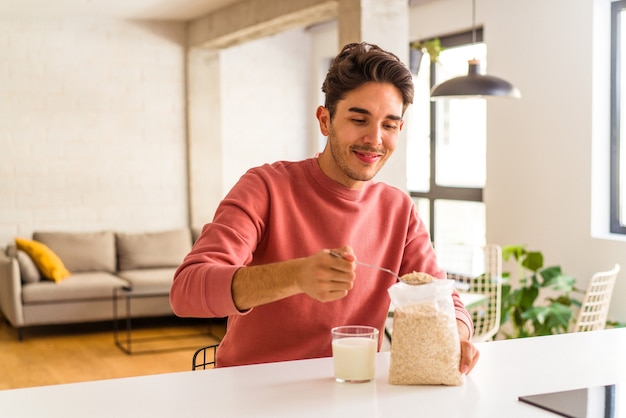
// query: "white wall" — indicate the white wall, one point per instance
point(325, 45)
point(92, 126)
point(266, 110)
point(543, 150)
point(248, 105)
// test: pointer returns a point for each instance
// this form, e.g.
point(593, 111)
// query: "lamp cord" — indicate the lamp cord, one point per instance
point(473, 21)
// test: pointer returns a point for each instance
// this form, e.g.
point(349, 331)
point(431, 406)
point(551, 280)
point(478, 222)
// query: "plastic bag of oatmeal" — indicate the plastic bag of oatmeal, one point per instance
point(425, 346)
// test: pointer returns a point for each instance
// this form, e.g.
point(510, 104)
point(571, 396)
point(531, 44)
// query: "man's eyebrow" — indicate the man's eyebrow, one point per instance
point(367, 112)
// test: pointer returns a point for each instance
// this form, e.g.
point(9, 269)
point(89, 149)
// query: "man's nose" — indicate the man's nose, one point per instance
point(374, 135)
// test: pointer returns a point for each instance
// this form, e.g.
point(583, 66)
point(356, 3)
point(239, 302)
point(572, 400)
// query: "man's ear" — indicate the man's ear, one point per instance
point(323, 117)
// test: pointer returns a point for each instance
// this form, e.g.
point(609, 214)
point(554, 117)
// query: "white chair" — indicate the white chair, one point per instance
point(595, 306)
point(486, 316)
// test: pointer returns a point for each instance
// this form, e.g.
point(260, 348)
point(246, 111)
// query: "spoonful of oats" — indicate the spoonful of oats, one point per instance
point(410, 278)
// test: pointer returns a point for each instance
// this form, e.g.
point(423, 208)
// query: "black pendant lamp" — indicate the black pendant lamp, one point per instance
point(474, 84)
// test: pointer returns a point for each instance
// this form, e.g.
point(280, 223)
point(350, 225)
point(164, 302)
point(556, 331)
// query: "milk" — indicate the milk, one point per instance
point(354, 359)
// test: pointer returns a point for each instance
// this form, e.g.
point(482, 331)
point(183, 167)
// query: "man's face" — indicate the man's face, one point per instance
point(362, 135)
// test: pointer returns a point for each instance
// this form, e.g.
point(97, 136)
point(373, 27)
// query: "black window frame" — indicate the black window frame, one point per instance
point(436, 192)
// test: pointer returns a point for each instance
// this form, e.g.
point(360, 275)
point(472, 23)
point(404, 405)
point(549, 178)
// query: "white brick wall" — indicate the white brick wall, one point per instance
point(92, 126)
point(92, 121)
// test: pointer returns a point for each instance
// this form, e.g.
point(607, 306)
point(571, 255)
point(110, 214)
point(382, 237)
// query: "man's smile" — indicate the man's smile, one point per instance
point(367, 156)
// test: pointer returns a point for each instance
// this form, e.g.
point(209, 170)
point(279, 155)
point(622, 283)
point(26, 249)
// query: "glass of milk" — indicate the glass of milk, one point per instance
point(354, 353)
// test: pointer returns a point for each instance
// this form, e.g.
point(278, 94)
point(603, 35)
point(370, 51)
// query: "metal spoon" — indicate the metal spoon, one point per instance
point(361, 263)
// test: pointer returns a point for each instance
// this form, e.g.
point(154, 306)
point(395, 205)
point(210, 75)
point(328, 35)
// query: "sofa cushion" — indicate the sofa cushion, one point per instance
point(79, 286)
point(82, 251)
point(46, 260)
point(28, 270)
point(149, 279)
point(152, 249)
point(10, 251)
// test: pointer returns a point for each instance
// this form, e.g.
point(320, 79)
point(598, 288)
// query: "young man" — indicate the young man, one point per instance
point(264, 262)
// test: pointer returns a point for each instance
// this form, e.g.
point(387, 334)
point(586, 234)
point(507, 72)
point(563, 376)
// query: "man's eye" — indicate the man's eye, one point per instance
point(358, 120)
point(390, 127)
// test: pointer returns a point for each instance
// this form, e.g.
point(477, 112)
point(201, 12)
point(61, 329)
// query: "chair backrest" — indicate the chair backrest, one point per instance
point(486, 316)
point(595, 306)
point(204, 357)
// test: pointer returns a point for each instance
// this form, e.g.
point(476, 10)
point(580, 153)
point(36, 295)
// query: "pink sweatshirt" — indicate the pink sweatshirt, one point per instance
point(288, 210)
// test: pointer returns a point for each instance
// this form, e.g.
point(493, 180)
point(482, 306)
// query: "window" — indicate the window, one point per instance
point(618, 152)
point(447, 148)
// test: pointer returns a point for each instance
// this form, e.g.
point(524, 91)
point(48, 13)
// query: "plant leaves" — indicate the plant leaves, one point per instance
point(528, 295)
point(553, 315)
point(552, 319)
point(550, 272)
point(559, 317)
point(533, 260)
point(515, 251)
point(562, 282)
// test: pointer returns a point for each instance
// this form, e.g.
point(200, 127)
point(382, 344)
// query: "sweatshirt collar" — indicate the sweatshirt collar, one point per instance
point(332, 186)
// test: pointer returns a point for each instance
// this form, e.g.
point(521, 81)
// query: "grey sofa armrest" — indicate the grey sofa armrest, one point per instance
point(11, 290)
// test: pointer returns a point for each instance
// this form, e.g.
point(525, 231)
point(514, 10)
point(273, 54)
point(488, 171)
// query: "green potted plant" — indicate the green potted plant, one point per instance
point(432, 47)
point(520, 307)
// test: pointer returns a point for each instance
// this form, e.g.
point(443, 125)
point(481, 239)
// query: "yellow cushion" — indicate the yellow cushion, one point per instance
point(45, 259)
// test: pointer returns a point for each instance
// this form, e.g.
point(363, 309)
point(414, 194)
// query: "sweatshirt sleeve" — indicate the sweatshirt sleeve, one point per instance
point(461, 313)
point(203, 282)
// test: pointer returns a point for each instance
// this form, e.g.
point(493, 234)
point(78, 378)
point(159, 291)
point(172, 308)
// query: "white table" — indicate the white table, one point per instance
point(506, 370)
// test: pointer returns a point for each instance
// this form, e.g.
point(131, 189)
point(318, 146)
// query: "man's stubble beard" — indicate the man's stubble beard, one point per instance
point(342, 163)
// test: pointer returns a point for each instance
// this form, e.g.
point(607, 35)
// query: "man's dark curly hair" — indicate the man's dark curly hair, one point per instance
point(360, 63)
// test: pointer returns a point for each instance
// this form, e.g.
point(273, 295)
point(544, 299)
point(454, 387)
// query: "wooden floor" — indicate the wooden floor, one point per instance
point(76, 353)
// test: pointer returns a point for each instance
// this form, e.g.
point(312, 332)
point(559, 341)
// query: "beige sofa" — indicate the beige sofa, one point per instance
point(99, 262)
